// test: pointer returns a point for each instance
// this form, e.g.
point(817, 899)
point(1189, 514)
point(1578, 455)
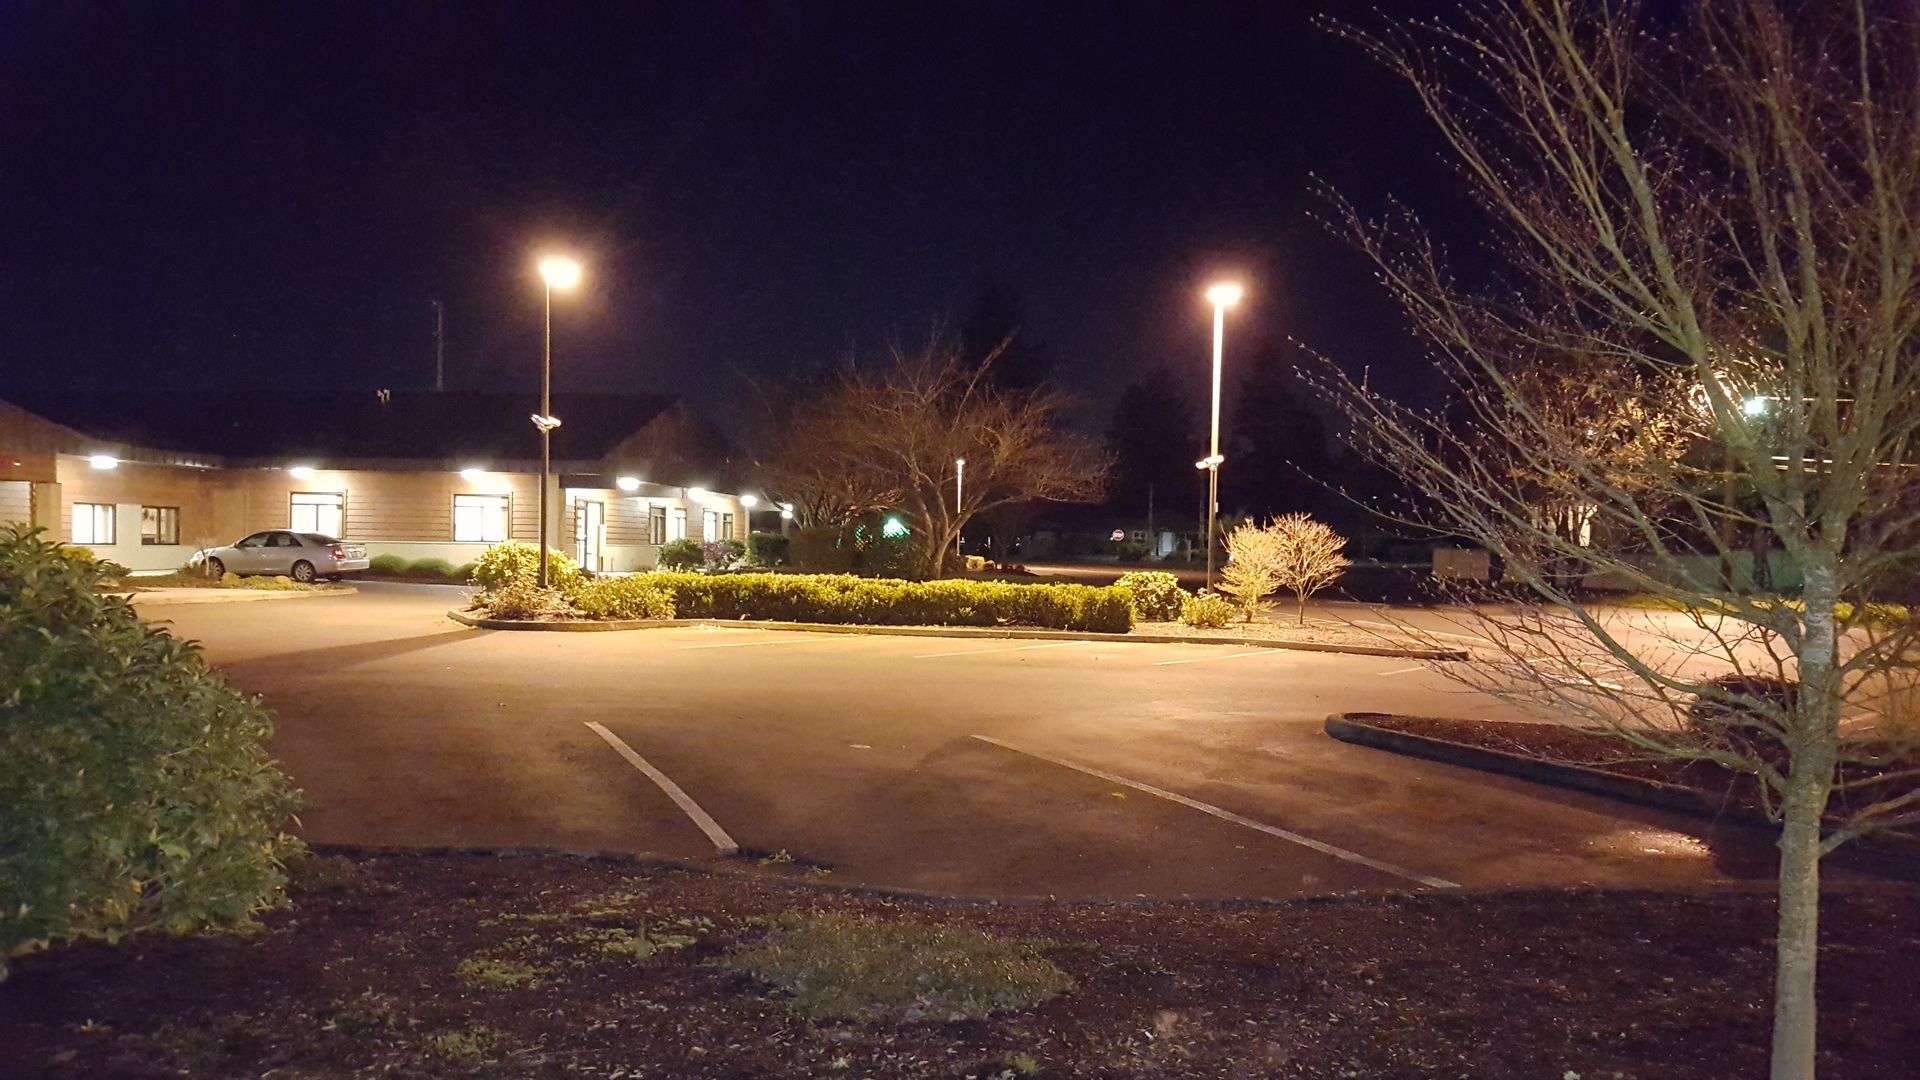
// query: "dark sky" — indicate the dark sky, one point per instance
point(269, 194)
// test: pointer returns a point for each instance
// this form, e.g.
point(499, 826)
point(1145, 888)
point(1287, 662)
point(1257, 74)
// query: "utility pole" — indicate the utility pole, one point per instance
point(439, 346)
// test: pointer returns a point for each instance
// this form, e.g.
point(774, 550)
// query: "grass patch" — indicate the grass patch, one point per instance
point(470, 1047)
point(623, 941)
point(497, 973)
point(847, 966)
point(190, 579)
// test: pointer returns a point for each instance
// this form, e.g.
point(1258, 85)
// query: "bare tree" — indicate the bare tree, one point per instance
point(1255, 556)
point(1726, 214)
point(1310, 556)
point(889, 436)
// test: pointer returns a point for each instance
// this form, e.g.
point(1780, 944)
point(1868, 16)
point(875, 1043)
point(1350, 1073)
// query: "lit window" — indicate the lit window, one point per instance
point(709, 524)
point(677, 523)
point(479, 518)
point(726, 526)
point(93, 523)
point(656, 525)
point(318, 512)
point(159, 525)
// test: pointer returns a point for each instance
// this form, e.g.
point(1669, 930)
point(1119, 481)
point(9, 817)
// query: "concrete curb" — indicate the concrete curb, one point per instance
point(174, 597)
point(983, 632)
point(1353, 728)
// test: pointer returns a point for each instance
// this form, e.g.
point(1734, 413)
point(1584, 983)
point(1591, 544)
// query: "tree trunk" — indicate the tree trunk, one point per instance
point(1797, 950)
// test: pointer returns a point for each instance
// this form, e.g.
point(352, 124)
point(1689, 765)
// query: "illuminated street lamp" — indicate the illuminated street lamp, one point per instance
point(562, 274)
point(1222, 296)
point(959, 495)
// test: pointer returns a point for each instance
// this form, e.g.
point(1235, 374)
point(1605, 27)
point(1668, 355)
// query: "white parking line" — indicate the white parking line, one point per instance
point(1228, 815)
point(1226, 656)
point(779, 641)
point(722, 843)
point(1402, 670)
point(1016, 648)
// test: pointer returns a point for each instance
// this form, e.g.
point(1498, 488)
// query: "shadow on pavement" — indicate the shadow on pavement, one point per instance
point(335, 657)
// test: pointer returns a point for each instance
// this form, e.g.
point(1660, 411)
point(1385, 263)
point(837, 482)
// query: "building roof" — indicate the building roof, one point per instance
point(398, 425)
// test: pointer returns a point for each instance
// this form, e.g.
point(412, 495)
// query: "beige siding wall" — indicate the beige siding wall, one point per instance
point(16, 502)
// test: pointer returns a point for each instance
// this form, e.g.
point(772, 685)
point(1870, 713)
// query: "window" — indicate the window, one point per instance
point(318, 512)
point(93, 523)
point(677, 523)
point(656, 525)
point(726, 526)
point(709, 524)
point(479, 518)
point(159, 525)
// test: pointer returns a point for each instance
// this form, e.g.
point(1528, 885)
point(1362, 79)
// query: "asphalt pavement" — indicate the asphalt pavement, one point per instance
point(975, 767)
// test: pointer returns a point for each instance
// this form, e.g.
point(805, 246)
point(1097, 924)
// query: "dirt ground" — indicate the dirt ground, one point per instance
point(467, 965)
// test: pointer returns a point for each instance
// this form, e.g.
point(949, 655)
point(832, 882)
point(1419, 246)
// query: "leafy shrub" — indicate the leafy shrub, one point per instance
point(637, 597)
point(681, 555)
point(852, 966)
point(520, 598)
point(387, 564)
point(441, 568)
point(1157, 595)
point(843, 598)
point(516, 559)
point(767, 549)
point(718, 555)
point(1206, 611)
point(1130, 551)
point(976, 564)
point(134, 788)
point(819, 548)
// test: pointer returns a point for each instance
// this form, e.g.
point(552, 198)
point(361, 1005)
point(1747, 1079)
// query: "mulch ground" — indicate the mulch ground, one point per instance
point(405, 966)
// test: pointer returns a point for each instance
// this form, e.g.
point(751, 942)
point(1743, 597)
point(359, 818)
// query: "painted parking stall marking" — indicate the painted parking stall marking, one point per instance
point(722, 843)
point(1016, 648)
point(795, 640)
point(1229, 816)
point(1223, 656)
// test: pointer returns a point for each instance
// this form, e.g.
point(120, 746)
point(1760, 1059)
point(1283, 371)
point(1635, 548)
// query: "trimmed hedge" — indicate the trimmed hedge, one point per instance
point(641, 596)
point(1157, 595)
point(767, 549)
point(843, 598)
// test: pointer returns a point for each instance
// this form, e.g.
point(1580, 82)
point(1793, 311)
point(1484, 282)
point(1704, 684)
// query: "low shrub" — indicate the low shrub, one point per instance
point(1130, 551)
point(976, 564)
point(135, 788)
point(1206, 611)
point(515, 559)
point(843, 598)
point(767, 549)
point(681, 555)
point(1157, 595)
point(441, 568)
point(387, 564)
point(847, 967)
point(718, 555)
point(820, 548)
point(520, 598)
point(638, 597)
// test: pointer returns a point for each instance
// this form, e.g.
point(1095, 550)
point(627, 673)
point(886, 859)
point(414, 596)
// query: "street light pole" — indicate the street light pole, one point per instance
point(959, 496)
point(1222, 296)
point(563, 274)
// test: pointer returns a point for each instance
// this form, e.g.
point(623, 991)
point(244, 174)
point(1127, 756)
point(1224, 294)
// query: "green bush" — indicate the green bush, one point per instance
point(1207, 611)
point(819, 548)
point(1130, 551)
point(638, 597)
point(853, 966)
point(843, 598)
point(767, 549)
point(515, 559)
point(387, 564)
point(135, 790)
point(681, 555)
point(520, 598)
point(1157, 595)
point(441, 568)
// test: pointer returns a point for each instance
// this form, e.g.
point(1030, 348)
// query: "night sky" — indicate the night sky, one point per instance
point(263, 195)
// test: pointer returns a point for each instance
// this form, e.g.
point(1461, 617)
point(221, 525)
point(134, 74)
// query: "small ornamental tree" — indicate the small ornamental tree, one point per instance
point(1252, 572)
point(135, 788)
point(1292, 552)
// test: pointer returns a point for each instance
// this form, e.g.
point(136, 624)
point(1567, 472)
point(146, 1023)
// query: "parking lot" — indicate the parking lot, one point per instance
point(980, 767)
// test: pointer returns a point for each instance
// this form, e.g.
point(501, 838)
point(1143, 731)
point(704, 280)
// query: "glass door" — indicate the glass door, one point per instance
point(589, 530)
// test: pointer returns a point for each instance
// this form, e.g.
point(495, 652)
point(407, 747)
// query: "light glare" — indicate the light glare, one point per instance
point(104, 461)
point(749, 501)
point(1225, 294)
point(560, 273)
point(628, 483)
point(301, 472)
point(472, 473)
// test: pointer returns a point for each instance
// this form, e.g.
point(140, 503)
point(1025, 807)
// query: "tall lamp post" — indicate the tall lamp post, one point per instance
point(1222, 296)
point(959, 495)
point(563, 274)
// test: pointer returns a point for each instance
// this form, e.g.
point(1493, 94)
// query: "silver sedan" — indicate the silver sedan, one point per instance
point(300, 556)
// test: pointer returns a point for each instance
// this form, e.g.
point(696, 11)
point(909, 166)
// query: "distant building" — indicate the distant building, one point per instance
point(148, 479)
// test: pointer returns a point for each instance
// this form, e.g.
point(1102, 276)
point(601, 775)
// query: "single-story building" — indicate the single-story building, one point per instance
point(147, 479)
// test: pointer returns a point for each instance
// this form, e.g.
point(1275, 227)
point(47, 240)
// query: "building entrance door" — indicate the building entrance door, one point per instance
point(589, 530)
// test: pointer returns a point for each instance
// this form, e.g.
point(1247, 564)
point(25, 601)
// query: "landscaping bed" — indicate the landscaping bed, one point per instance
point(462, 965)
point(186, 579)
point(1566, 745)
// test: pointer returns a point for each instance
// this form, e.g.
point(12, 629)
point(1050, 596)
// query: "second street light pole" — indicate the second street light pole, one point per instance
point(1222, 296)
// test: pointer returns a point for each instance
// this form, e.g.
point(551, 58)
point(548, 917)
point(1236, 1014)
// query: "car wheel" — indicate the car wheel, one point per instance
point(216, 568)
point(303, 572)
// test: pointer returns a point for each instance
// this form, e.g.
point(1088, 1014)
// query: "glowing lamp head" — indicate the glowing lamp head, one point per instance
point(472, 473)
point(697, 494)
point(628, 483)
point(301, 472)
point(749, 501)
point(104, 461)
point(560, 273)
point(1754, 406)
point(1225, 294)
